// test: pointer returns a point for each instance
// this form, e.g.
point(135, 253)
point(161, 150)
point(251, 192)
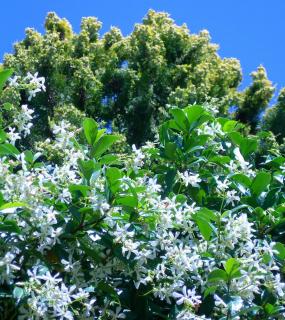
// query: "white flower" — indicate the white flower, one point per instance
point(222, 186)
point(245, 166)
point(219, 302)
point(236, 304)
point(12, 135)
point(232, 197)
point(117, 314)
point(138, 159)
point(189, 178)
point(23, 120)
point(187, 296)
point(279, 286)
point(130, 247)
point(64, 196)
point(153, 186)
point(37, 82)
point(232, 166)
point(7, 267)
point(13, 81)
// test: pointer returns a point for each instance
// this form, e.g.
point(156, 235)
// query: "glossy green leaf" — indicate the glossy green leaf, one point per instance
point(4, 76)
point(281, 250)
point(217, 275)
point(180, 118)
point(103, 144)
point(113, 176)
point(204, 227)
point(231, 266)
point(7, 149)
point(90, 130)
point(13, 205)
point(88, 167)
point(128, 201)
point(260, 183)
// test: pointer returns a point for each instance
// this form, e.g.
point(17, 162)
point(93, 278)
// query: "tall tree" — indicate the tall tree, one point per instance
point(255, 98)
point(274, 119)
point(132, 80)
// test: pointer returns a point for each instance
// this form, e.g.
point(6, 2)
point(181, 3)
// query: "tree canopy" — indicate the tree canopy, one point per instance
point(132, 80)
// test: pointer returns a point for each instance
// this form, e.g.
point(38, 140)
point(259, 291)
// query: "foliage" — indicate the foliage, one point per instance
point(255, 99)
point(131, 80)
point(274, 118)
point(188, 227)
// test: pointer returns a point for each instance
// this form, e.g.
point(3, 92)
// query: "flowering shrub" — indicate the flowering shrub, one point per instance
point(187, 227)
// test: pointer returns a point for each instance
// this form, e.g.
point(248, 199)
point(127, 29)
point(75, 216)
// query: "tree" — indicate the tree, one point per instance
point(274, 118)
point(255, 98)
point(128, 80)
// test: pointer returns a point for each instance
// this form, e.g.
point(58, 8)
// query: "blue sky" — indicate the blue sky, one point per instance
point(250, 30)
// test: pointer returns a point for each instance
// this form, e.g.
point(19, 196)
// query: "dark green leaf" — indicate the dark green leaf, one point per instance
point(9, 226)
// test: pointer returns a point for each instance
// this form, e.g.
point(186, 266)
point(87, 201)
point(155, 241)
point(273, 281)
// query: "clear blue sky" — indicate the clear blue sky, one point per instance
point(250, 30)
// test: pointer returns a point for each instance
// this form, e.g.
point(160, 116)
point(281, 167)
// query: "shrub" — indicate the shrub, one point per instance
point(184, 228)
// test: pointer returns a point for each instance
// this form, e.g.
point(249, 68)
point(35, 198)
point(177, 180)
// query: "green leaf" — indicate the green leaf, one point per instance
point(103, 144)
point(29, 157)
point(260, 183)
point(204, 227)
point(210, 290)
point(221, 160)
point(194, 112)
point(3, 136)
point(242, 179)
point(83, 189)
point(88, 167)
point(230, 125)
point(9, 226)
point(7, 149)
point(13, 205)
point(196, 115)
point(128, 201)
point(281, 250)
point(236, 137)
point(207, 214)
point(231, 266)
point(248, 146)
point(217, 275)
point(90, 250)
point(170, 150)
point(4, 76)
point(113, 176)
point(180, 119)
point(169, 181)
point(109, 159)
point(90, 130)
point(106, 288)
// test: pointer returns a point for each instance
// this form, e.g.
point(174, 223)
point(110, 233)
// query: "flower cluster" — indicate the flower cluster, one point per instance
point(32, 82)
point(164, 234)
